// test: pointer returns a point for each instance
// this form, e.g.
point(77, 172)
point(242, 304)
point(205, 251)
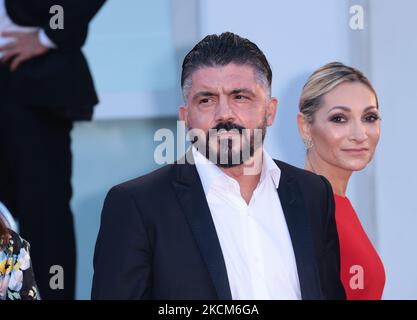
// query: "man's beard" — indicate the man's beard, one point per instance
point(232, 151)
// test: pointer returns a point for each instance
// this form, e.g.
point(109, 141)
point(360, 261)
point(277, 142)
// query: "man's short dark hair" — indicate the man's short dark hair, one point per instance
point(220, 50)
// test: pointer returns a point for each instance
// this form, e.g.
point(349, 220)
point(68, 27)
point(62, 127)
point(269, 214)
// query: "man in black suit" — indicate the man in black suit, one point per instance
point(45, 85)
point(226, 221)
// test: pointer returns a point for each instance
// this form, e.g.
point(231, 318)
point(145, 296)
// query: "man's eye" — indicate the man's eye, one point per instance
point(240, 97)
point(205, 100)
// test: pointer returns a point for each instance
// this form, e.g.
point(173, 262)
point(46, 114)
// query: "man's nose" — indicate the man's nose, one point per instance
point(224, 112)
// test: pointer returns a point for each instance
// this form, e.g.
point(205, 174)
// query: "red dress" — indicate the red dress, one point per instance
point(362, 271)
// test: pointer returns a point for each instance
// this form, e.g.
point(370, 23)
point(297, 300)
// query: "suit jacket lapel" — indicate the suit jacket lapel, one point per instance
point(191, 195)
point(299, 226)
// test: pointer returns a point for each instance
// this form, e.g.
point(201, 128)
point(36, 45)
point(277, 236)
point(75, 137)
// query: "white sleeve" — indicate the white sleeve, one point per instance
point(43, 38)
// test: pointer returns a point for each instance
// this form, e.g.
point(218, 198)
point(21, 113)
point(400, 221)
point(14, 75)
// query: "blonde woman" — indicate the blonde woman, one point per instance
point(340, 125)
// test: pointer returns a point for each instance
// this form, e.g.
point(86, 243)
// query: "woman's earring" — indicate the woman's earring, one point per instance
point(308, 143)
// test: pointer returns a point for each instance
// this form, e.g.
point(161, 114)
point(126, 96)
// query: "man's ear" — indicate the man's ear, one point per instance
point(303, 127)
point(183, 114)
point(271, 111)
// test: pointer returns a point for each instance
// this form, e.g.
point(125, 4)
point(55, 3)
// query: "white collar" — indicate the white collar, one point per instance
point(209, 172)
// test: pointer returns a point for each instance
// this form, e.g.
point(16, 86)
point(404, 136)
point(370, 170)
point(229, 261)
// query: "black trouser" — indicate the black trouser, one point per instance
point(35, 184)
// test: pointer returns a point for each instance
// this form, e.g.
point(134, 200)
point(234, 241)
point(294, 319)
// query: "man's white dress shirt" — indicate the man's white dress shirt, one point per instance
point(6, 24)
point(254, 237)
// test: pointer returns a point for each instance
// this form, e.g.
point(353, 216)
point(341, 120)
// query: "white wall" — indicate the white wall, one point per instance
point(394, 70)
point(132, 53)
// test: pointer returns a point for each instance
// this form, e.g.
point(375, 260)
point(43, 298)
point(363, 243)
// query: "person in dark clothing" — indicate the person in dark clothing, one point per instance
point(45, 85)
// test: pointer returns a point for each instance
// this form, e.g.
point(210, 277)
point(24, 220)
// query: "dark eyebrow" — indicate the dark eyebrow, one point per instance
point(242, 90)
point(347, 109)
point(204, 94)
